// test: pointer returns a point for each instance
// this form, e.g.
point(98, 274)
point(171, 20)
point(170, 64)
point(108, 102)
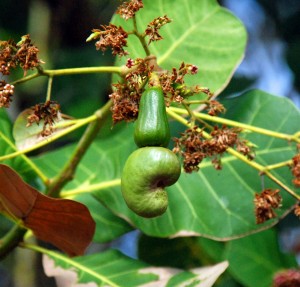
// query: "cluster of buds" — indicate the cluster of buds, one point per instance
point(173, 83)
point(23, 54)
point(193, 147)
point(110, 36)
point(6, 93)
point(296, 170)
point(48, 113)
point(126, 96)
point(215, 108)
point(125, 103)
point(153, 27)
point(128, 9)
point(265, 203)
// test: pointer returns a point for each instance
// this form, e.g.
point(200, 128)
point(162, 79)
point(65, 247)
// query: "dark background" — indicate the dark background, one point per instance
point(60, 28)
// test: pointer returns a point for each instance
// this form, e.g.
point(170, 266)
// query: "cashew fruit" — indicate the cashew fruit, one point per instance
point(146, 173)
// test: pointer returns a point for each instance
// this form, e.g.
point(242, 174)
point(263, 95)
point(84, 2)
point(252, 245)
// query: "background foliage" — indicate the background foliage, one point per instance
point(208, 209)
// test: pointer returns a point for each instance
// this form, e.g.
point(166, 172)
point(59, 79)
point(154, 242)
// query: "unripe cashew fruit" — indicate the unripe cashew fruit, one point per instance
point(152, 126)
point(146, 173)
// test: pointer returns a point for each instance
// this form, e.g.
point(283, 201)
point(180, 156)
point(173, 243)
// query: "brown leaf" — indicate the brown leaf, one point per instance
point(65, 223)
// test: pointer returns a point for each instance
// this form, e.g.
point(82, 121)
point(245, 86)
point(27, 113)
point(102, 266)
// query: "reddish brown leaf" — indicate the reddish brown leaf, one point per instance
point(16, 197)
point(67, 224)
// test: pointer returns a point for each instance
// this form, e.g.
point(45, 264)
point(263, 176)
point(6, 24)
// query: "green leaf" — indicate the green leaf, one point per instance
point(108, 225)
point(7, 146)
point(210, 203)
point(183, 252)
point(111, 268)
point(28, 136)
point(254, 260)
point(219, 204)
point(201, 33)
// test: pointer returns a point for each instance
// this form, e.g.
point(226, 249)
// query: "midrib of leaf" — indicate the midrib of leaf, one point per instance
point(183, 37)
point(72, 263)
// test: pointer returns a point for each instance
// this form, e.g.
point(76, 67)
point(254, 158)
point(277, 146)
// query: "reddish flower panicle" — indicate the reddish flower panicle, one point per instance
point(6, 93)
point(265, 203)
point(111, 36)
point(128, 9)
point(48, 112)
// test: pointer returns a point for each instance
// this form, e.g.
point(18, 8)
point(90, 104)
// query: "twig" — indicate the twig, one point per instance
point(69, 169)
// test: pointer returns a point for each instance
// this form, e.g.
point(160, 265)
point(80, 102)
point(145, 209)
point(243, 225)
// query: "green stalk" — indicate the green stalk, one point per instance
point(49, 88)
point(236, 124)
point(11, 240)
point(92, 187)
point(141, 37)
point(69, 71)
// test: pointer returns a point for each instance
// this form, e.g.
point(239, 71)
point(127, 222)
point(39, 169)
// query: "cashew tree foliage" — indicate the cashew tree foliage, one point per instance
point(203, 179)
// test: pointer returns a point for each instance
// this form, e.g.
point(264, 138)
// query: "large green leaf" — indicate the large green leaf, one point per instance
point(214, 204)
point(219, 204)
point(255, 259)
point(111, 268)
point(201, 33)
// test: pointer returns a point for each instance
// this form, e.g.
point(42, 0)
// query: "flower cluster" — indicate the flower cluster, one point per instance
point(48, 112)
point(6, 93)
point(128, 9)
point(173, 83)
point(125, 103)
point(152, 30)
point(7, 56)
point(23, 54)
point(193, 147)
point(287, 278)
point(110, 36)
point(126, 96)
point(265, 203)
point(297, 210)
point(296, 170)
point(215, 108)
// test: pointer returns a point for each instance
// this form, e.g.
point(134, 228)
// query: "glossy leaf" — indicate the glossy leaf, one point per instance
point(111, 268)
point(28, 136)
point(255, 259)
point(210, 203)
point(204, 34)
point(65, 223)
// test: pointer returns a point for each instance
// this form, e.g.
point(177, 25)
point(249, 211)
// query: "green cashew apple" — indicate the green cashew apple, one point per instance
point(146, 173)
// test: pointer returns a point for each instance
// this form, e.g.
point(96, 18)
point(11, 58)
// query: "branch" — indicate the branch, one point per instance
point(237, 124)
point(70, 71)
point(69, 169)
point(11, 240)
